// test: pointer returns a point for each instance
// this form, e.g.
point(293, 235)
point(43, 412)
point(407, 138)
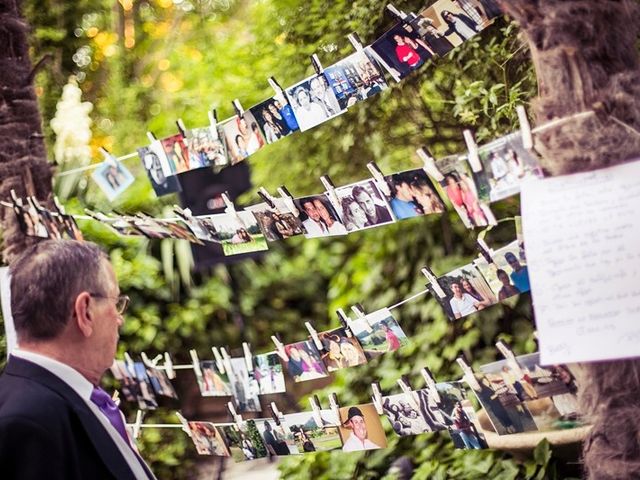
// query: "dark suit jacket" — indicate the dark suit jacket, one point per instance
point(48, 432)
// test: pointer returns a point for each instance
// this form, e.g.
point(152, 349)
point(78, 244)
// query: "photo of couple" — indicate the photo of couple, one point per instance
point(362, 206)
point(276, 118)
point(242, 137)
point(113, 178)
point(507, 274)
point(303, 361)
point(176, 152)
point(267, 371)
point(412, 194)
point(276, 223)
point(244, 387)
point(319, 218)
point(207, 439)
point(238, 232)
point(340, 350)
point(162, 177)
point(212, 382)
point(313, 102)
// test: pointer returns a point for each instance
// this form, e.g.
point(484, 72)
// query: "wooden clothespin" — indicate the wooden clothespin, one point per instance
point(288, 200)
point(433, 281)
point(331, 191)
point(238, 108)
point(275, 413)
point(230, 208)
point(219, 359)
point(317, 66)
point(168, 366)
point(195, 362)
point(468, 375)
point(395, 13)
point(430, 383)
point(129, 363)
point(314, 336)
point(185, 423)
point(344, 321)
point(485, 251)
point(107, 157)
point(410, 395)
point(382, 184)
point(237, 418)
point(135, 428)
point(152, 137)
point(429, 164)
point(149, 362)
point(213, 123)
point(335, 406)
point(267, 198)
point(181, 128)
point(376, 398)
point(525, 127)
point(279, 348)
point(248, 357)
point(315, 410)
point(226, 360)
point(359, 311)
point(355, 41)
point(472, 148)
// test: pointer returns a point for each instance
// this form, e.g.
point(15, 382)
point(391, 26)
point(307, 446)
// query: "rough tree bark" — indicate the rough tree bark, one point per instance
point(586, 59)
point(23, 157)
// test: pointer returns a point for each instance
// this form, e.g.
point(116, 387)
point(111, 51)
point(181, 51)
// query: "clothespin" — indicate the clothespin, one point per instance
point(129, 363)
point(377, 397)
point(317, 66)
point(168, 366)
point(468, 376)
point(505, 351)
point(288, 200)
point(344, 321)
point(280, 348)
point(314, 336)
point(107, 157)
point(315, 410)
point(472, 148)
point(273, 83)
point(213, 122)
point(248, 358)
point(355, 41)
point(395, 13)
point(196, 362)
point(410, 395)
point(266, 197)
point(185, 423)
point(433, 280)
point(238, 108)
point(219, 360)
point(429, 164)
point(148, 362)
point(275, 413)
point(58, 205)
point(137, 425)
point(226, 360)
point(431, 383)
point(152, 137)
point(230, 208)
point(116, 397)
point(237, 418)
point(335, 406)
point(383, 186)
point(359, 311)
point(181, 127)
point(525, 128)
point(331, 190)
point(485, 250)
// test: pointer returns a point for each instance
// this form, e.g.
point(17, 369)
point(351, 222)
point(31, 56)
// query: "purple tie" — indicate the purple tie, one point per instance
point(110, 410)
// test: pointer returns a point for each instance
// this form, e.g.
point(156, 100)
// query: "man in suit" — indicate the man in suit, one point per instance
point(55, 422)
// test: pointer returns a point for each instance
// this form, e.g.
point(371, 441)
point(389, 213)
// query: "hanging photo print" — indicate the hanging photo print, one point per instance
point(454, 20)
point(202, 227)
point(128, 384)
point(278, 439)
point(239, 233)
point(313, 102)
point(361, 428)
point(506, 163)
point(319, 217)
point(245, 388)
point(303, 361)
point(176, 152)
point(340, 350)
point(242, 137)
point(267, 371)
point(309, 436)
point(113, 178)
point(410, 416)
point(212, 382)
point(244, 442)
point(159, 171)
point(355, 78)
point(466, 292)
point(460, 188)
point(454, 408)
point(277, 224)
point(547, 393)
point(161, 383)
point(147, 399)
point(362, 206)
point(208, 439)
point(412, 194)
point(378, 333)
point(275, 117)
point(206, 148)
point(507, 274)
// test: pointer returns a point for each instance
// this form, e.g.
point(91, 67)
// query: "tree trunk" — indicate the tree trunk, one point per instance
point(23, 157)
point(586, 60)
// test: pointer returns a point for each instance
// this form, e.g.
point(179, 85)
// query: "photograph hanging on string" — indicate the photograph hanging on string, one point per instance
point(161, 176)
point(355, 78)
point(206, 148)
point(452, 407)
point(275, 117)
point(401, 50)
point(302, 361)
point(313, 102)
point(161, 383)
point(361, 428)
point(466, 292)
point(146, 399)
point(309, 436)
point(411, 193)
point(176, 152)
point(276, 223)
point(245, 388)
point(407, 418)
point(113, 178)
point(460, 189)
point(506, 164)
point(268, 372)
point(340, 350)
point(242, 137)
point(455, 21)
point(507, 273)
point(378, 333)
point(128, 383)
point(319, 217)
point(208, 440)
point(201, 226)
point(362, 206)
point(239, 233)
point(212, 382)
point(244, 442)
point(179, 231)
point(278, 439)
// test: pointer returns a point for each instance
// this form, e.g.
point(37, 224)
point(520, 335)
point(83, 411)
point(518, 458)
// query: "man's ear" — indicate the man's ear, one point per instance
point(82, 315)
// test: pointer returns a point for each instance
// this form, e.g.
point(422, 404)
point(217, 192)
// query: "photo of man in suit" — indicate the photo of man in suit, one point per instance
point(55, 421)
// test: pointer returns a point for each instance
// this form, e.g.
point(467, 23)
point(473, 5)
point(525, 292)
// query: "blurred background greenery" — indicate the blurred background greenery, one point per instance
point(144, 64)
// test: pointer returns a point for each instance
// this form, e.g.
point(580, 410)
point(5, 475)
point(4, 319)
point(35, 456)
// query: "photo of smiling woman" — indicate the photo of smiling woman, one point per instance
point(313, 102)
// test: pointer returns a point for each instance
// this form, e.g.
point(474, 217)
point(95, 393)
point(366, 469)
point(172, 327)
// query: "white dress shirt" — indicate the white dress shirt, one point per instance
point(354, 444)
point(84, 388)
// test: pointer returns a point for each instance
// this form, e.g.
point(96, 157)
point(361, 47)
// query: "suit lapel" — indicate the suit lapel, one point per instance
point(100, 438)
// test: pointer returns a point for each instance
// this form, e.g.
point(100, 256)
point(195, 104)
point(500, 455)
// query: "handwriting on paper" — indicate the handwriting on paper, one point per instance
point(582, 241)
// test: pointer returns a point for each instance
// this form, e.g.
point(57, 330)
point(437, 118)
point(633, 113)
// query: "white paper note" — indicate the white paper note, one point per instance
point(582, 241)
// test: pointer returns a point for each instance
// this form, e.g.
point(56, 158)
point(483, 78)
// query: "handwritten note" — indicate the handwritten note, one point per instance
point(582, 241)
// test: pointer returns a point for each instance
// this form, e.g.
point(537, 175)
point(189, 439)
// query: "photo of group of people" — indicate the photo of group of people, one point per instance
point(411, 193)
point(378, 333)
point(340, 350)
point(313, 102)
point(35, 221)
point(206, 148)
point(405, 418)
point(113, 178)
point(277, 223)
point(242, 137)
point(267, 371)
point(238, 232)
point(311, 436)
point(212, 382)
point(303, 361)
point(362, 206)
point(135, 384)
point(207, 439)
point(361, 428)
point(176, 152)
point(276, 118)
point(244, 441)
point(507, 273)
point(277, 437)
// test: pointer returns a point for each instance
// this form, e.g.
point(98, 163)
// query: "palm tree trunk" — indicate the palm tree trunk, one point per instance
point(23, 158)
point(586, 60)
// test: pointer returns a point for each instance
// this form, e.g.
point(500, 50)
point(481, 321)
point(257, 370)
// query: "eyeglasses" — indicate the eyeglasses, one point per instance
point(122, 301)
